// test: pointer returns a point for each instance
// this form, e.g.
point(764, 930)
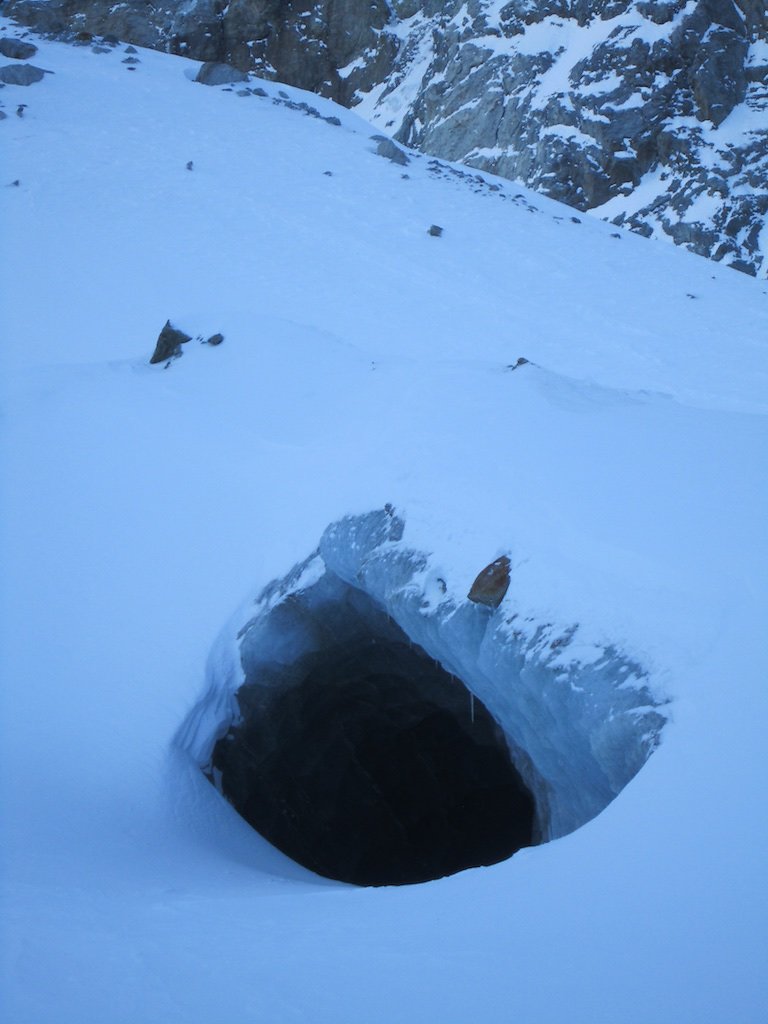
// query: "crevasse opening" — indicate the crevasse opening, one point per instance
point(377, 738)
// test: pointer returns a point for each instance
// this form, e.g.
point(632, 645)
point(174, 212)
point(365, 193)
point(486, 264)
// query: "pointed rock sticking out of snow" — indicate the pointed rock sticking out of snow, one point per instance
point(213, 73)
point(491, 584)
point(169, 343)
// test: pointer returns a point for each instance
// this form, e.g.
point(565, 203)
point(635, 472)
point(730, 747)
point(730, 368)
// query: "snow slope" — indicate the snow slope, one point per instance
point(364, 362)
point(651, 115)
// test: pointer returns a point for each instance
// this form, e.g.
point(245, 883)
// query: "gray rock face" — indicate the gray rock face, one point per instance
point(651, 113)
point(620, 108)
point(73, 21)
point(21, 74)
point(333, 47)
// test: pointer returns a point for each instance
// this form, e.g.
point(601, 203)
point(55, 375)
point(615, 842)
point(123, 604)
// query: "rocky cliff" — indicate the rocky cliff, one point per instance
point(653, 115)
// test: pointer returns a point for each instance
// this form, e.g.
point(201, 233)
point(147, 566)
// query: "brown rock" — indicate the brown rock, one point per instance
point(491, 584)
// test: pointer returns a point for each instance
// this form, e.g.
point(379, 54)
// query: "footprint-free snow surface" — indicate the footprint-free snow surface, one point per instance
point(365, 361)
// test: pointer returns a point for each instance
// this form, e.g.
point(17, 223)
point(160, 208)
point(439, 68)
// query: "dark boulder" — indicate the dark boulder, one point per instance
point(17, 49)
point(213, 73)
point(169, 343)
point(21, 74)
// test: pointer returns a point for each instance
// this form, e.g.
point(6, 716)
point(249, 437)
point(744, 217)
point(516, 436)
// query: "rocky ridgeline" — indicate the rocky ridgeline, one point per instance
point(652, 114)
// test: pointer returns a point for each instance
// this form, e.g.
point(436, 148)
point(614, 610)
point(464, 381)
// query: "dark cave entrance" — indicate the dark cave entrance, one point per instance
point(375, 766)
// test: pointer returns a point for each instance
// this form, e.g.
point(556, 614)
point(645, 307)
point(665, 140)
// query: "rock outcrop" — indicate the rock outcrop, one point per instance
point(17, 49)
point(213, 73)
point(21, 74)
point(387, 148)
point(169, 342)
point(653, 115)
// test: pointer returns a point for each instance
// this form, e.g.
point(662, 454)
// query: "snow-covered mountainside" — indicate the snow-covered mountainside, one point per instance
point(369, 329)
point(650, 115)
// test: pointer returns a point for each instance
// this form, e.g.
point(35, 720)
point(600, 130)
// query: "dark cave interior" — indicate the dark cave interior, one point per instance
point(375, 766)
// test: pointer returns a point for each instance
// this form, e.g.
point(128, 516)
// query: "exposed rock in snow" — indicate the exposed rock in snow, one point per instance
point(577, 731)
point(213, 73)
point(651, 114)
point(21, 74)
point(491, 584)
point(17, 49)
point(387, 148)
point(169, 342)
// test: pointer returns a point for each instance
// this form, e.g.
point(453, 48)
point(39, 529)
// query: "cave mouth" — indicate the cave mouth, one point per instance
point(338, 715)
point(375, 766)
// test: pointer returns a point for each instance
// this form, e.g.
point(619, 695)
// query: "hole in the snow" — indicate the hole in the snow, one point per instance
point(379, 729)
point(378, 768)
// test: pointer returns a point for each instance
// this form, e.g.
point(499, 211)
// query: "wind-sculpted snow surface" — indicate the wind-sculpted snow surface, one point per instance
point(578, 731)
point(651, 115)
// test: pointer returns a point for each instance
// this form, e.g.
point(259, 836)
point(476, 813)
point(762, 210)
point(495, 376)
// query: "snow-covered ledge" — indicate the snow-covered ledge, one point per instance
point(577, 731)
